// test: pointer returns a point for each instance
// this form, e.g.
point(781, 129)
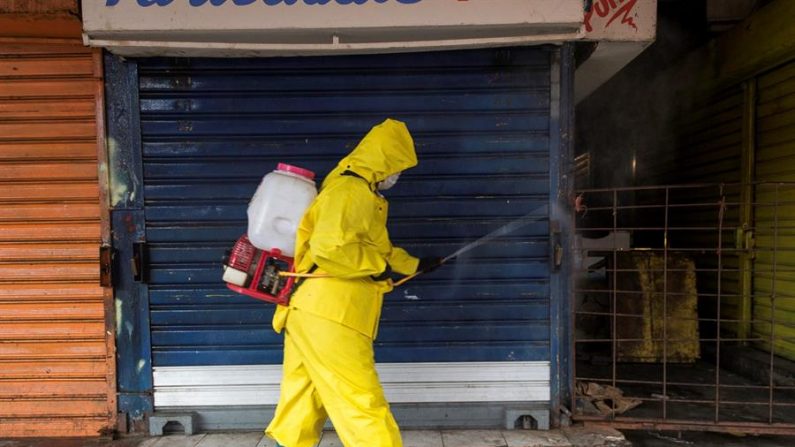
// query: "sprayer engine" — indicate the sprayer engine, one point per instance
point(255, 273)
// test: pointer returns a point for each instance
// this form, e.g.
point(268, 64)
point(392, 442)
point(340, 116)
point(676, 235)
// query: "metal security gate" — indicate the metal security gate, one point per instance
point(683, 304)
point(477, 335)
point(57, 366)
point(655, 347)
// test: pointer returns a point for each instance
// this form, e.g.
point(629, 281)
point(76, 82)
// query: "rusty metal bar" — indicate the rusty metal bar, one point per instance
point(665, 305)
point(654, 250)
point(607, 340)
point(705, 402)
point(620, 314)
point(650, 188)
point(705, 270)
point(701, 294)
point(635, 292)
point(706, 385)
point(646, 207)
point(773, 306)
point(673, 186)
point(722, 427)
point(687, 205)
point(702, 270)
point(615, 299)
point(629, 340)
point(721, 211)
point(659, 228)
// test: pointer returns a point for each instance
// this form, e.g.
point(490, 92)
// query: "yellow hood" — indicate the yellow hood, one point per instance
point(387, 149)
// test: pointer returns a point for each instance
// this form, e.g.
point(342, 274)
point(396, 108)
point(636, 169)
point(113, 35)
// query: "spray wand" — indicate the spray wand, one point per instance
point(535, 215)
point(532, 216)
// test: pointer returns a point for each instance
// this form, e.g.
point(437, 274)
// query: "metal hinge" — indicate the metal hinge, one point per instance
point(106, 256)
point(745, 240)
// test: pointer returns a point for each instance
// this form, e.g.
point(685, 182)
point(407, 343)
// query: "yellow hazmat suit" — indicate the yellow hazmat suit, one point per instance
point(330, 324)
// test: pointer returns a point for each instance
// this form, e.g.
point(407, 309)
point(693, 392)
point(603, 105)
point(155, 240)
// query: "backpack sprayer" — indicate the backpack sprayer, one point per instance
point(258, 257)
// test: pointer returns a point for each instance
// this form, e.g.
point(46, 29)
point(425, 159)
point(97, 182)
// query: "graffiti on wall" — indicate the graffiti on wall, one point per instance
point(615, 9)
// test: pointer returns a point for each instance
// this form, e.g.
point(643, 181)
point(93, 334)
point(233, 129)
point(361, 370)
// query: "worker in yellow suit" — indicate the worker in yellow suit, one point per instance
point(331, 321)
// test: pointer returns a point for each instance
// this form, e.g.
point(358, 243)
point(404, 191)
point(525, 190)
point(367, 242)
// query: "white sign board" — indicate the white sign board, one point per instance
point(324, 26)
point(289, 27)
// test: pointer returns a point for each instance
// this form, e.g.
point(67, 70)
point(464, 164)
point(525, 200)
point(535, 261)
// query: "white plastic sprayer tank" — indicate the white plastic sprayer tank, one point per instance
point(277, 207)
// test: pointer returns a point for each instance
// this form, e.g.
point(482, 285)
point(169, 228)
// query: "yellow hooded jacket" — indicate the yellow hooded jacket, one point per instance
point(344, 233)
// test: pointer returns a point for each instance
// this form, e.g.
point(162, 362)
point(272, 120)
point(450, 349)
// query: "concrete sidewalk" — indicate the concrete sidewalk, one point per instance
point(570, 437)
point(421, 438)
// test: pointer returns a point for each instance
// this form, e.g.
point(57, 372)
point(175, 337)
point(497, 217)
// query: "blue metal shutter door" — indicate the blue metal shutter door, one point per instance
point(480, 119)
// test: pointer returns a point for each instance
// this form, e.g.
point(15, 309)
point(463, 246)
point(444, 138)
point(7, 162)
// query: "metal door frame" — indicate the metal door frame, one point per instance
point(134, 355)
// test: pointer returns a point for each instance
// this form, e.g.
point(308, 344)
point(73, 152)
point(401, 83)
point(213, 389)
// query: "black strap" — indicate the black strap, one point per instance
point(350, 173)
point(300, 281)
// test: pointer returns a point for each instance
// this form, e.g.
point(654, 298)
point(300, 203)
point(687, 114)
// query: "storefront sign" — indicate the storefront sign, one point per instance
point(261, 27)
point(295, 27)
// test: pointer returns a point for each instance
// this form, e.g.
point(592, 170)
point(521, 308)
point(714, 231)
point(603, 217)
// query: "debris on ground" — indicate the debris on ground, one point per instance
point(595, 436)
point(604, 399)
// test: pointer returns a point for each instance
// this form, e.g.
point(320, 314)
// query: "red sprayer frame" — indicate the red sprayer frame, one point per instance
point(265, 266)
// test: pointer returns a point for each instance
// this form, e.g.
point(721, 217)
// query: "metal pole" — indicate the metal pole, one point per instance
point(615, 297)
point(773, 303)
point(721, 212)
point(665, 307)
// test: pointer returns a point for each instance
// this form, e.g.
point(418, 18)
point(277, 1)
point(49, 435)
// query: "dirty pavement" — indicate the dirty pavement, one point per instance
point(569, 437)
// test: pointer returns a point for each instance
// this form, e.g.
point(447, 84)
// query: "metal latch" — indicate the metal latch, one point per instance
point(557, 247)
point(139, 261)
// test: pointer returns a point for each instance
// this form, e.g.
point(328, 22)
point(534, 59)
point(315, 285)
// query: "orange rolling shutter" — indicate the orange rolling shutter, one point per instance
point(57, 366)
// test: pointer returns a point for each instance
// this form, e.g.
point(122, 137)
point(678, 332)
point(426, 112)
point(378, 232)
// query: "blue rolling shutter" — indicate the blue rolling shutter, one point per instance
point(211, 128)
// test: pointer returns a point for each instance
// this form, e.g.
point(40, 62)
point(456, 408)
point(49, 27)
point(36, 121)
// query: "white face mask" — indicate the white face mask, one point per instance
point(388, 182)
